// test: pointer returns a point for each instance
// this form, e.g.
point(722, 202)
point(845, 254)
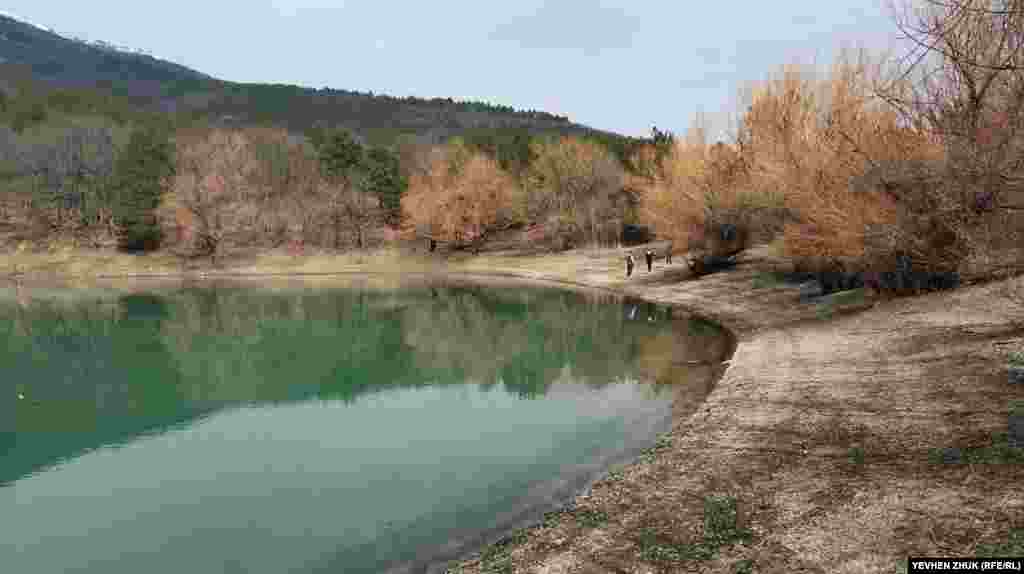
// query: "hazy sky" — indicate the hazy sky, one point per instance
point(619, 65)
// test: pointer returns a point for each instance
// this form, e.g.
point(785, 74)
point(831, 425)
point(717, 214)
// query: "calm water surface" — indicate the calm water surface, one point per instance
point(231, 429)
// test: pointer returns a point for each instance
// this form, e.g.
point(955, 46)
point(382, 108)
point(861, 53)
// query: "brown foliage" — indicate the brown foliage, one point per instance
point(814, 159)
point(460, 197)
point(574, 188)
point(699, 190)
point(211, 175)
point(257, 187)
point(813, 141)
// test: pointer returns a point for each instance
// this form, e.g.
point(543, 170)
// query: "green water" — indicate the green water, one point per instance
point(240, 429)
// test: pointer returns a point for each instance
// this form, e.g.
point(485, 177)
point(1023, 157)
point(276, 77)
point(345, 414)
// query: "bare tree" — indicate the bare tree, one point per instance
point(74, 176)
point(353, 209)
point(577, 185)
point(962, 80)
point(212, 173)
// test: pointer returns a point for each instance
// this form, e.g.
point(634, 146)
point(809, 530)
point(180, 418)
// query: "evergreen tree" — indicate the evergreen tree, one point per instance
point(385, 181)
point(143, 170)
point(339, 152)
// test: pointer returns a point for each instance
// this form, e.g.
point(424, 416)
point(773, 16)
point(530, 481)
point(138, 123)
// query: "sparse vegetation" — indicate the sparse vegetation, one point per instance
point(999, 452)
point(721, 529)
point(856, 455)
point(495, 559)
point(589, 518)
point(1014, 546)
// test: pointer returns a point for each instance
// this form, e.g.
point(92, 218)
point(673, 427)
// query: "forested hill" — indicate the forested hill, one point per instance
point(49, 62)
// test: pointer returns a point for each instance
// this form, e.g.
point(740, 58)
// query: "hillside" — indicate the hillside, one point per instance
point(53, 62)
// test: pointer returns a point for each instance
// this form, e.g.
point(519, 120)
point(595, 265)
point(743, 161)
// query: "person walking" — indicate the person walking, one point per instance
point(629, 264)
point(668, 255)
point(649, 255)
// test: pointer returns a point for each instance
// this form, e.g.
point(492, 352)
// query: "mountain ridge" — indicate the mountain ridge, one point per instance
point(153, 84)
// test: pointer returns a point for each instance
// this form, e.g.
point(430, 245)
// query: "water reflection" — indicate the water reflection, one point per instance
point(100, 372)
point(297, 379)
point(104, 372)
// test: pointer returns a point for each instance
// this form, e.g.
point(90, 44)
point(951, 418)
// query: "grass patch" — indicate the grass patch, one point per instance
point(768, 279)
point(699, 327)
point(551, 518)
point(999, 452)
point(588, 518)
point(721, 529)
point(664, 441)
point(743, 567)
point(495, 559)
point(1014, 546)
point(856, 455)
point(616, 472)
point(499, 565)
point(829, 305)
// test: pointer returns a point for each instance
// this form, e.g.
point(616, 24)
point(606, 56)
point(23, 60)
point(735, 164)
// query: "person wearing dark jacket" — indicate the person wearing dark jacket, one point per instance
point(649, 255)
point(629, 264)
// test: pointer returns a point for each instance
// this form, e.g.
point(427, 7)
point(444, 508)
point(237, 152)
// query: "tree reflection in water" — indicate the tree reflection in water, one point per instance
point(105, 371)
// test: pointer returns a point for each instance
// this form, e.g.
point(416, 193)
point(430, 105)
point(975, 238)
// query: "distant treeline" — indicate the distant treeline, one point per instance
point(91, 166)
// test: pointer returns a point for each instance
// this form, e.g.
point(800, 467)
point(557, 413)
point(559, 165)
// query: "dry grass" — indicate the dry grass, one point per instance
point(67, 261)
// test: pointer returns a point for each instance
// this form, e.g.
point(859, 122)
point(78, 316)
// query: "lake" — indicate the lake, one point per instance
point(271, 428)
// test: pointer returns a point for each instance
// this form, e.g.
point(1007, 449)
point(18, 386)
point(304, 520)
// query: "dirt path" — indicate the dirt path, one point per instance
point(842, 437)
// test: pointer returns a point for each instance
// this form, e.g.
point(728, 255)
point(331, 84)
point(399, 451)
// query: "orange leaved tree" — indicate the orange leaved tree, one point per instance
point(460, 197)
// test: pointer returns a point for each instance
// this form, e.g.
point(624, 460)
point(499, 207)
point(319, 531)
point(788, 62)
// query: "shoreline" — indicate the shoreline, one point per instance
point(820, 431)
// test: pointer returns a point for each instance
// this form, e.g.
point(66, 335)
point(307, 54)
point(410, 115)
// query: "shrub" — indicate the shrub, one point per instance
point(699, 196)
point(576, 187)
point(811, 139)
point(144, 170)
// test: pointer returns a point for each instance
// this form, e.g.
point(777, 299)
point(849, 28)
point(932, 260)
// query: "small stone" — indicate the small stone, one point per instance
point(1015, 424)
point(810, 290)
point(951, 455)
point(1015, 374)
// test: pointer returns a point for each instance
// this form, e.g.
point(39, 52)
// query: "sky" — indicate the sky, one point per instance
point(617, 65)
